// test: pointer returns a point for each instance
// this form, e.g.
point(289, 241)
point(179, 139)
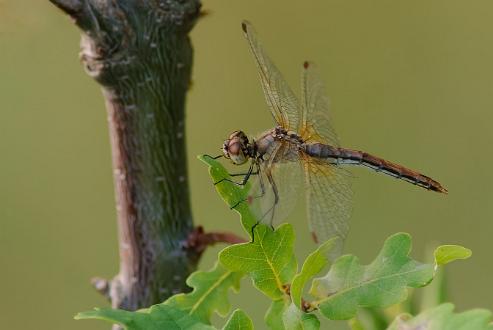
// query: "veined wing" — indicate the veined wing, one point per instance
point(329, 201)
point(315, 118)
point(280, 178)
point(279, 96)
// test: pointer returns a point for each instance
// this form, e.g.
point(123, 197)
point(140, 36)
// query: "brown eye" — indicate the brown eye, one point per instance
point(234, 148)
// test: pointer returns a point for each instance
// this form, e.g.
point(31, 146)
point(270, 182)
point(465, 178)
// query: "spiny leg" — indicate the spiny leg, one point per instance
point(262, 193)
point(272, 208)
point(214, 157)
point(242, 174)
point(276, 200)
point(245, 178)
point(253, 228)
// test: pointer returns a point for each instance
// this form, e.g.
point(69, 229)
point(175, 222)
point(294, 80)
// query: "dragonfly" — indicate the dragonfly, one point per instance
point(302, 147)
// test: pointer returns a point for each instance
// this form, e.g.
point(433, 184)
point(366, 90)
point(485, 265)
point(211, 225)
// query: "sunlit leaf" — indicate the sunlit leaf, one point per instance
point(443, 318)
point(155, 318)
point(268, 260)
point(313, 264)
point(231, 193)
point(448, 253)
point(350, 285)
point(239, 321)
point(209, 294)
point(294, 319)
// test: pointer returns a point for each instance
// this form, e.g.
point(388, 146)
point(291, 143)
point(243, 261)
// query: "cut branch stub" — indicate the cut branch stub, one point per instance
point(140, 52)
point(118, 33)
point(71, 7)
point(199, 240)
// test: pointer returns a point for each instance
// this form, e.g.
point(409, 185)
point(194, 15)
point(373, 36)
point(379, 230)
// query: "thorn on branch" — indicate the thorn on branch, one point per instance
point(71, 7)
point(102, 286)
point(198, 240)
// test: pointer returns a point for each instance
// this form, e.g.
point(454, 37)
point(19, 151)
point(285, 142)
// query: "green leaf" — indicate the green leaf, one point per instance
point(268, 260)
point(209, 294)
point(443, 318)
point(239, 321)
point(230, 192)
point(294, 319)
point(155, 318)
point(274, 315)
point(315, 262)
point(448, 253)
point(349, 285)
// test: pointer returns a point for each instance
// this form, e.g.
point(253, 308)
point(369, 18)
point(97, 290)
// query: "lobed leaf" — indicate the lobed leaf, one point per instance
point(349, 285)
point(268, 260)
point(313, 264)
point(209, 294)
point(154, 318)
point(448, 253)
point(231, 193)
point(239, 320)
point(443, 318)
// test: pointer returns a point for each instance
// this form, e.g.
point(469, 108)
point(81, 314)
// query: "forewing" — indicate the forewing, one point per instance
point(315, 119)
point(287, 178)
point(329, 201)
point(282, 102)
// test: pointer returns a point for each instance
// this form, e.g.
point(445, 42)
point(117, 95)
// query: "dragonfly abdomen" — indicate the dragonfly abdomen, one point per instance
point(354, 157)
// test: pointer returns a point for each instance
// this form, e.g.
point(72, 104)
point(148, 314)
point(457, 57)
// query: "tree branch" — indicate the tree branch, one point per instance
point(140, 52)
point(199, 240)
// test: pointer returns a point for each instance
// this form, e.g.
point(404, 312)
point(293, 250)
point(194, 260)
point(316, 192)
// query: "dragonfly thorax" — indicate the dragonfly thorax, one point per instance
point(237, 148)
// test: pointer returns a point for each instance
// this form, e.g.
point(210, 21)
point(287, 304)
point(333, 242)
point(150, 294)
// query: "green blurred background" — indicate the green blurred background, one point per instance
point(411, 81)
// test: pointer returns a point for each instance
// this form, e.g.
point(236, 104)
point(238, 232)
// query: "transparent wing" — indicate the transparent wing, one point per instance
point(329, 201)
point(282, 102)
point(280, 175)
point(315, 118)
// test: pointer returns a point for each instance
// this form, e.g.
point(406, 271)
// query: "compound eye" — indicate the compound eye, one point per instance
point(234, 148)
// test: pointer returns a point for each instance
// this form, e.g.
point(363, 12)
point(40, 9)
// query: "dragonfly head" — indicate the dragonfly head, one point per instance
point(236, 148)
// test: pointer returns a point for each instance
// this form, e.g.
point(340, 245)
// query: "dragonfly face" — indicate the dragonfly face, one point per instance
point(235, 148)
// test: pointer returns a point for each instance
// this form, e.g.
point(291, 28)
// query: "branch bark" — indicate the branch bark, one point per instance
point(199, 240)
point(140, 53)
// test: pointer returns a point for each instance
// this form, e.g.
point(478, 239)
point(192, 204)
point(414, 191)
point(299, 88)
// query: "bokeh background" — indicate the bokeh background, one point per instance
point(411, 81)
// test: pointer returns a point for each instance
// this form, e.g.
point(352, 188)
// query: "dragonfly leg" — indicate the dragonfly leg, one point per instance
point(214, 157)
point(253, 233)
point(245, 178)
point(242, 174)
point(244, 181)
point(262, 193)
point(262, 188)
point(272, 209)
